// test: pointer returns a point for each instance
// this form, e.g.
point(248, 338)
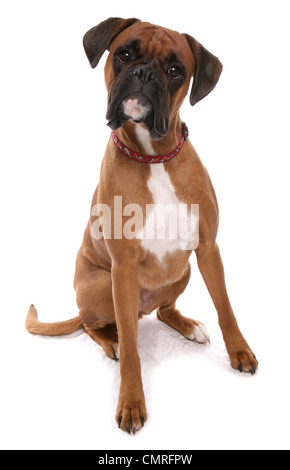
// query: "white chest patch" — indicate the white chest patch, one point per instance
point(143, 137)
point(169, 224)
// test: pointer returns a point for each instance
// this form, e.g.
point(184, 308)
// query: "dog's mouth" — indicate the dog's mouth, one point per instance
point(140, 109)
point(142, 103)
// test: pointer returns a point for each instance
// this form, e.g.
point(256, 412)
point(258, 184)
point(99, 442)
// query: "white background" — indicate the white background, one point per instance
point(62, 393)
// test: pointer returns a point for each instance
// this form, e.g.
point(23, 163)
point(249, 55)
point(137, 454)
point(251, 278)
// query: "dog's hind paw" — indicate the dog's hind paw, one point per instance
point(199, 334)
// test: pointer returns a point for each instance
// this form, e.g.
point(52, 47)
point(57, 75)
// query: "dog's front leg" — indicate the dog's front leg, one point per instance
point(131, 411)
point(211, 267)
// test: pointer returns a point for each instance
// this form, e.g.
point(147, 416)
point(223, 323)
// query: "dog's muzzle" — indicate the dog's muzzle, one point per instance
point(140, 94)
point(137, 108)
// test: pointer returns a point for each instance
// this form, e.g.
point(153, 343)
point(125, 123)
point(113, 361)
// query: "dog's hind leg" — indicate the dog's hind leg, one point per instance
point(191, 329)
point(106, 337)
point(93, 286)
point(168, 313)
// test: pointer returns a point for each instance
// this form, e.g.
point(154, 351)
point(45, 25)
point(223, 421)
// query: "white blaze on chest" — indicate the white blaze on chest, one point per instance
point(144, 139)
point(169, 225)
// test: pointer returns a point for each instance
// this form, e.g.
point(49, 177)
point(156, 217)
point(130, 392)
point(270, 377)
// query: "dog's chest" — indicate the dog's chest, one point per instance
point(169, 224)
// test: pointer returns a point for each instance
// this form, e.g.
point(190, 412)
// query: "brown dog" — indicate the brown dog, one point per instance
point(120, 276)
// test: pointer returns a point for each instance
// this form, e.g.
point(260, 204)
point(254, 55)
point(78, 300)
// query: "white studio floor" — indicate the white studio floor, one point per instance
point(61, 393)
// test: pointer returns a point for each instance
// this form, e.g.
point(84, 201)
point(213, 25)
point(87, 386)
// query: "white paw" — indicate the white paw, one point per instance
point(199, 334)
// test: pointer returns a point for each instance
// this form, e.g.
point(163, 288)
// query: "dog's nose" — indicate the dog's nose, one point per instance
point(145, 73)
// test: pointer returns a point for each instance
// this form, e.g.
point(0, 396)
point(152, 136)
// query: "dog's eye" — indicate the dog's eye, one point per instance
point(125, 57)
point(174, 71)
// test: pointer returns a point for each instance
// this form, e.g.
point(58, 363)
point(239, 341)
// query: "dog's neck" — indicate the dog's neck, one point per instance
point(137, 137)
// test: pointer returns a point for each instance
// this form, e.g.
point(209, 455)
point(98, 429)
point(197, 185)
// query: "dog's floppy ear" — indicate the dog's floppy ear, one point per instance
point(207, 71)
point(99, 38)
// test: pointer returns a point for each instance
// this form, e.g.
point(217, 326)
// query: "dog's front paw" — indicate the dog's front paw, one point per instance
point(244, 360)
point(131, 411)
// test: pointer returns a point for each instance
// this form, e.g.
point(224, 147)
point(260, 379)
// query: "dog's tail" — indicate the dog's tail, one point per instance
point(51, 329)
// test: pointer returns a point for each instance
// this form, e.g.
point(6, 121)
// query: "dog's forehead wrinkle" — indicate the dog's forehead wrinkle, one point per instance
point(159, 43)
point(131, 44)
point(155, 40)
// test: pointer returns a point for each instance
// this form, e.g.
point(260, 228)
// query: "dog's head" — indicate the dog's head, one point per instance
point(148, 71)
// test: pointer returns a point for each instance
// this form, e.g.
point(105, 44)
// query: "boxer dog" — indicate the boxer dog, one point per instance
point(149, 160)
